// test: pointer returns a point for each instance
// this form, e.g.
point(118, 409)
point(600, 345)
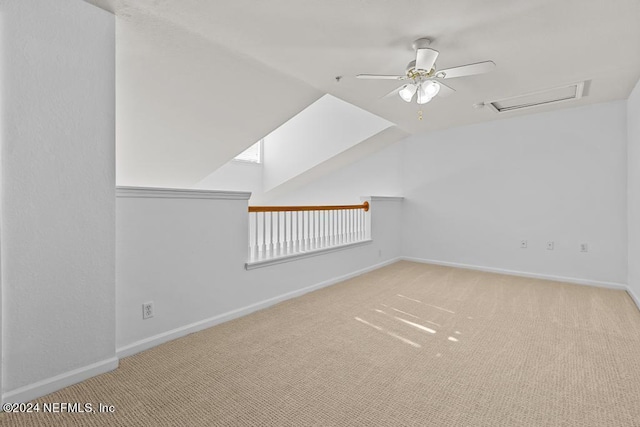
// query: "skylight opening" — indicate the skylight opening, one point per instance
point(252, 154)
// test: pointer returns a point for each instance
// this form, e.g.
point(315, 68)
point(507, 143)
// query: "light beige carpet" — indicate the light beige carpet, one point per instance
point(408, 344)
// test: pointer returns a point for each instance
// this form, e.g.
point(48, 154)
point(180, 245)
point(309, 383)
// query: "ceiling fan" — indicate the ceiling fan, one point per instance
point(425, 79)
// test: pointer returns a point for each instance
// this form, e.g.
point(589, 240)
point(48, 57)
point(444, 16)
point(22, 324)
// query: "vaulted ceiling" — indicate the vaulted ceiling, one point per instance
point(292, 51)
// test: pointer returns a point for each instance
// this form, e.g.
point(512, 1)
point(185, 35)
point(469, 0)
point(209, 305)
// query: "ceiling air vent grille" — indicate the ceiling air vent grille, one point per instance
point(537, 99)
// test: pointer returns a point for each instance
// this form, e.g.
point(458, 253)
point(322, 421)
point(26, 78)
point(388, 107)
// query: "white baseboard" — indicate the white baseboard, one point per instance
point(44, 387)
point(634, 297)
point(575, 280)
point(158, 339)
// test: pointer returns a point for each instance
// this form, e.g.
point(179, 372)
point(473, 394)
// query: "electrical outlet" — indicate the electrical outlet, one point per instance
point(550, 245)
point(584, 247)
point(523, 244)
point(147, 310)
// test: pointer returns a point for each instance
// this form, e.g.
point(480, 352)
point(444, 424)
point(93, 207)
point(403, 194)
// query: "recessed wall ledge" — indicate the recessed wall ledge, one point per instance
point(382, 198)
point(180, 193)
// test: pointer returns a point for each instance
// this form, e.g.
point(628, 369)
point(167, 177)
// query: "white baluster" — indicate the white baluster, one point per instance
point(325, 214)
point(291, 241)
point(345, 216)
point(316, 229)
point(270, 247)
point(311, 229)
point(310, 226)
point(294, 232)
point(285, 242)
point(263, 246)
point(334, 228)
point(345, 224)
point(338, 224)
point(281, 233)
point(305, 230)
point(278, 238)
point(322, 222)
point(328, 241)
point(353, 224)
point(301, 234)
point(276, 230)
point(294, 237)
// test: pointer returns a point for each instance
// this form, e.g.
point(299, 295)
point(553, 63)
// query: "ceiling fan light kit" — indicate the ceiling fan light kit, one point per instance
point(407, 92)
point(425, 78)
point(427, 91)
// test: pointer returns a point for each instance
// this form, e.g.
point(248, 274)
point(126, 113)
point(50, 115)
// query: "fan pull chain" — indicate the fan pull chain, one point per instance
point(419, 114)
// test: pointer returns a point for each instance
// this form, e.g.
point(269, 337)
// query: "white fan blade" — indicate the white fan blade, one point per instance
point(466, 70)
point(380, 77)
point(445, 90)
point(425, 58)
point(392, 93)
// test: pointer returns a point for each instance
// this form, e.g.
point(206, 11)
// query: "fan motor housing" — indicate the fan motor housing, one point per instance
point(413, 72)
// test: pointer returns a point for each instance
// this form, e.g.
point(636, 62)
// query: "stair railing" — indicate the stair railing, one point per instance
point(279, 231)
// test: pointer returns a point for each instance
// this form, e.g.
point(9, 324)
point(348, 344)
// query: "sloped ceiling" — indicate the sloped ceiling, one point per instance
point(536, 45)
point(324, 130)
point(357, 152)
point(185, 105)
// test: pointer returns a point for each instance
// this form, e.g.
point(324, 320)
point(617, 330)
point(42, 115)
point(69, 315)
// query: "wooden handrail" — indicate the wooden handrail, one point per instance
point(364, 206)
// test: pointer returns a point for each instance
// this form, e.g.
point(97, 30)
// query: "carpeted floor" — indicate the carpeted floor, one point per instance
point(408, 344)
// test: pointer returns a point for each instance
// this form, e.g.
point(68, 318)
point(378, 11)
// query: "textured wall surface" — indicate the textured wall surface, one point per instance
point(188, 256)
point(633, 156)
point(473, 193)
point(58, 202)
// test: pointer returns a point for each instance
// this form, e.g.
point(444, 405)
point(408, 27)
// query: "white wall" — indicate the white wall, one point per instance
point(58, 201)
point(324, 129)
point(322, 172)
point(472, 193)
point(187, 255)
point(379, 173)
point(633, 193)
